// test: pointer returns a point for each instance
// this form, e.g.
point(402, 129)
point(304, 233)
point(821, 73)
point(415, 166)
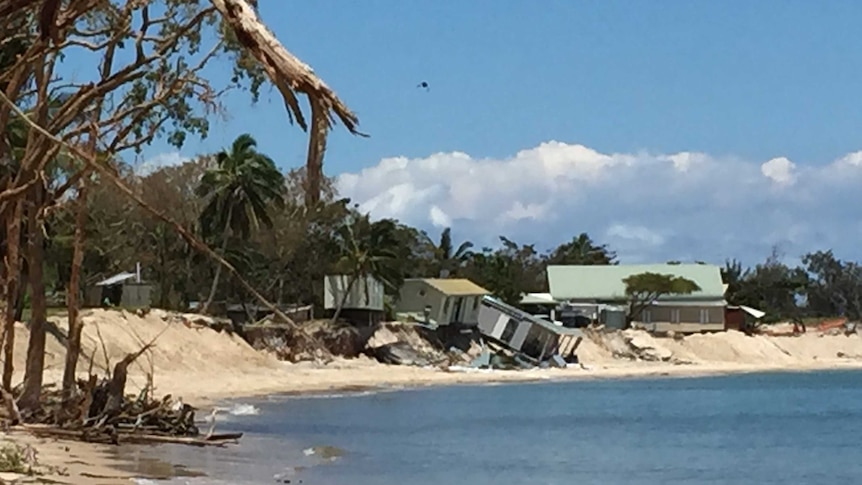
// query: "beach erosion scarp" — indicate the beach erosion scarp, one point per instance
point(203, 366)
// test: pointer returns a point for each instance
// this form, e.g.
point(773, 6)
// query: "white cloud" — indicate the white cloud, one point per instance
point(637, 234)
point(655, 207)
point(161, 160)
point(780, 170)
point(439, 218)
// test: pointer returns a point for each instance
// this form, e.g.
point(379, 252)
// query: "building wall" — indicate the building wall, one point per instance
point(334, 287)
point(492, 321)
point(469, 306)
point(136, 296)
point(416, 294)
point(683, 314)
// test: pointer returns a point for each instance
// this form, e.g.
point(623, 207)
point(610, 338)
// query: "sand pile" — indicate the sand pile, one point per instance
point(729, 347)
point(187, 354)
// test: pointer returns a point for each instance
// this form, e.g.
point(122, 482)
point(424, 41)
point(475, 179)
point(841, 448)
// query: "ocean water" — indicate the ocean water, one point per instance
point(759, 428)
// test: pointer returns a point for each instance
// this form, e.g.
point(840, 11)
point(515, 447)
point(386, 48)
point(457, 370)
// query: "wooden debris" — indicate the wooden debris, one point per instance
point(99, 411)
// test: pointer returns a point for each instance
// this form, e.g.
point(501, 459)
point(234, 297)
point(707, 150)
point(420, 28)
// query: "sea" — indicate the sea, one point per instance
point(774, 428)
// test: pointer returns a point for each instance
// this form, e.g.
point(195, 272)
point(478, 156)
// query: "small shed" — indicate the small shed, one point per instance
point(741, 317)
point(121, 290)
point(363, 304)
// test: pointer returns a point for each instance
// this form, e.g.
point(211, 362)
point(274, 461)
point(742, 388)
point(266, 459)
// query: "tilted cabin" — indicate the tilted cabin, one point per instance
point(530, 335)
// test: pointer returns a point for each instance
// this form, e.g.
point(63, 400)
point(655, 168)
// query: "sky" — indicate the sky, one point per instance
point(674, 130)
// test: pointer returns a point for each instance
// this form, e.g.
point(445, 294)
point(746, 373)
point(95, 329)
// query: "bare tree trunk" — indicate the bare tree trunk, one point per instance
point(13, 266)
point(73, 343)
point(344, 297)
point(32, 389)
point(193, 241)
point(316, 149)
point(214, 286)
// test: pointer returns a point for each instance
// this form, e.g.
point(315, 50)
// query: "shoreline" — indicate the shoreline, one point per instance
point(96, 464)
point(429, 378)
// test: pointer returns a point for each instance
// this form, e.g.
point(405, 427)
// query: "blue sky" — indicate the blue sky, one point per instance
point(517, 87)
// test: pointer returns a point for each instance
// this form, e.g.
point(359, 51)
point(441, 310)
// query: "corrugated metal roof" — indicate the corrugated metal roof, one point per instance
point(456, 286)
point(117, 278)
point(606, 282)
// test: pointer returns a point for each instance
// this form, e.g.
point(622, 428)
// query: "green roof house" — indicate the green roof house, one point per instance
point(603, 287)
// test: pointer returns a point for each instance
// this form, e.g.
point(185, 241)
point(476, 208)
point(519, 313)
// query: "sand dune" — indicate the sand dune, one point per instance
point(730, 347)
point(202, 365)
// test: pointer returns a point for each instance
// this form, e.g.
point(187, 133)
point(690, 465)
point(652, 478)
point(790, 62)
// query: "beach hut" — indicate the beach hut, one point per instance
point(125, 290)
point(364, 304)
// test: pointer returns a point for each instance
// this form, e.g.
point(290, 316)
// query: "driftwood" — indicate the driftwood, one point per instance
point(132, 437)
point(98, 410)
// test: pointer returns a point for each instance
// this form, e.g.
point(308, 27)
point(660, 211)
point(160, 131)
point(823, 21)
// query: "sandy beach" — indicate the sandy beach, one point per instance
point(204, 367)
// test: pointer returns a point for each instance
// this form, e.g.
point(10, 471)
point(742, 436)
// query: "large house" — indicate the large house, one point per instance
point(599, 293)
point(444, 301)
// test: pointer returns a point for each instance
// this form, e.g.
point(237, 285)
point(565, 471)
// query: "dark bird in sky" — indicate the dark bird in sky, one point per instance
point(424, 85)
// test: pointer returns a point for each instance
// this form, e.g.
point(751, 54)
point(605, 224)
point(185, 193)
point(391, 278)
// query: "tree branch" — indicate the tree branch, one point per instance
point(92, 163)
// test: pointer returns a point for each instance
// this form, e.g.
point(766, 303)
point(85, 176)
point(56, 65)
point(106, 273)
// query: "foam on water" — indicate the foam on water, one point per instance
point(241, 409)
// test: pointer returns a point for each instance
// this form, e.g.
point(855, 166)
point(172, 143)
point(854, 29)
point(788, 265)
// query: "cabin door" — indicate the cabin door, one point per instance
point(456, 310)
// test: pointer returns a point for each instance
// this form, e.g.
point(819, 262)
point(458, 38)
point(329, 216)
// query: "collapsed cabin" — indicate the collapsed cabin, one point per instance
point(526, 334)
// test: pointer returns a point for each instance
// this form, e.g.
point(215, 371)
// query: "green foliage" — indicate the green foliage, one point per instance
point(582, 250)
point(771, 286)
point(13, 460)
point(654, 285)
point(448, 261)
point(239, 190)
point(367, 248)
point(645, 288)
point(508, 272)
point(834, 287)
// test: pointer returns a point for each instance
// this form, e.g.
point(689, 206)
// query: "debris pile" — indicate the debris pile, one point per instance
point(405, 344)
point(289, 343)
point(98, 410)
point(634, 345)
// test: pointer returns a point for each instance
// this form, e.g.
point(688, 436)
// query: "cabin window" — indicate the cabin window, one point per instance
point(421, 292)
point(704, 315)
point(509, 331)
point(674, 315)
point(646, 316)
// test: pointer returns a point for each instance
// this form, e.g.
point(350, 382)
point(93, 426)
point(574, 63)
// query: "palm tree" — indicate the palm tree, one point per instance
point(238, 190)
point(366, 249)
point(447, 258)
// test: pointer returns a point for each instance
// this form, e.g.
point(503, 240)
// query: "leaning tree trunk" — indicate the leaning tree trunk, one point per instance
point(344, 298)
point(35, 365)
point(76, 326)
point(214, 286)
point(13, 266)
